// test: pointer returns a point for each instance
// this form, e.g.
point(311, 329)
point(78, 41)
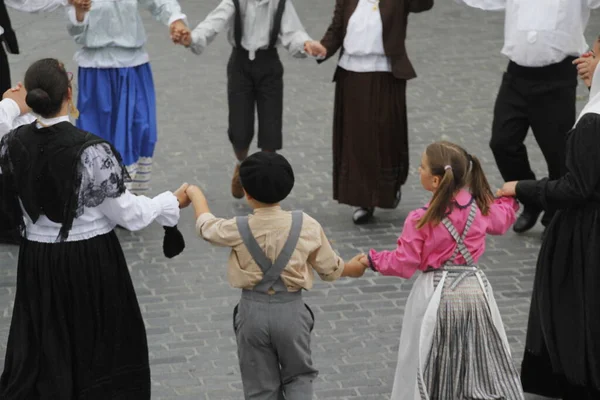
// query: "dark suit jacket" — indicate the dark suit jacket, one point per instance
point(394, 17)
point(9, 35)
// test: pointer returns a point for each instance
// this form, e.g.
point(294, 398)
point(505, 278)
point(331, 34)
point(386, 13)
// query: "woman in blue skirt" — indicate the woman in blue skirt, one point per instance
point(116, 91)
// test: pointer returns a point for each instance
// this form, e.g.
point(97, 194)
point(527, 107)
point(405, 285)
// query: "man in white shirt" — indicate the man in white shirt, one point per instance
point(542, 38)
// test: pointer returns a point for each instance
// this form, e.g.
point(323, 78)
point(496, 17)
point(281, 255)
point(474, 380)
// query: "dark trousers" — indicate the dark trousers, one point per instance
point(5, 83)
point(542, 99)
point(255, 84)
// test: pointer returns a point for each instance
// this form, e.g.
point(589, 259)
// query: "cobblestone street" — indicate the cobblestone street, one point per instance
point(187, 302)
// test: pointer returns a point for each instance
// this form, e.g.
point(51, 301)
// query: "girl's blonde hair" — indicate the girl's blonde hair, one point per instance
point(458, 169)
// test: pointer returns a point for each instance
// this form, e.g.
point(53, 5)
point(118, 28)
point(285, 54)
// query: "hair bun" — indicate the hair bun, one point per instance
point(39, 101)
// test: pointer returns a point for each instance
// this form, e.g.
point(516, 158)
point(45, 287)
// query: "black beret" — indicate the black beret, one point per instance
point(267, 177)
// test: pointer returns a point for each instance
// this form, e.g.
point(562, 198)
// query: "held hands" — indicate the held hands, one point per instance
point(509, 189)
point(356, 267)
point(182, 196)
point(180, 33)
point(18, 95)
point(586, 65)
point(315, 48)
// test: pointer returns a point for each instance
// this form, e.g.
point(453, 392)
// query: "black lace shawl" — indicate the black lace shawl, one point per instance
point(47, 172)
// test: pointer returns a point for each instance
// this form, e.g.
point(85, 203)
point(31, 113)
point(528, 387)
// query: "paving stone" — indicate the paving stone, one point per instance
point(187, 302)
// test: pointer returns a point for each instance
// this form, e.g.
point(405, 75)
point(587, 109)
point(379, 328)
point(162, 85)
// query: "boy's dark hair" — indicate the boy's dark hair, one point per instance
point(267, 177)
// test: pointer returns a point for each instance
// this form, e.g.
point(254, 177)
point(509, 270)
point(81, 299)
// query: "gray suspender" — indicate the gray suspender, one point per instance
point(460, 241)
point(271, 270)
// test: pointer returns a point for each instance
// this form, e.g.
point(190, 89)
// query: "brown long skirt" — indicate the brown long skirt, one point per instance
point(370, 139)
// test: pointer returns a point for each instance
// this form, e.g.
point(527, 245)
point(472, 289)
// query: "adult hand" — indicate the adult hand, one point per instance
point(315, 48)
point(509, 189)
point(182, 196)
point(18, 95)
point(180, 33)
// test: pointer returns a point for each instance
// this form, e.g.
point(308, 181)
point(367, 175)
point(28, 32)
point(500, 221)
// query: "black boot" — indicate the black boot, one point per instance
point(362, 215)
point(526, 220)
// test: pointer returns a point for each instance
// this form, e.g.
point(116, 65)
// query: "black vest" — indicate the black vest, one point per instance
point(9, 35)
point(40, 167)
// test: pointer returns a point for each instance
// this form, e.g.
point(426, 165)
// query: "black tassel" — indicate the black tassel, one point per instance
point(173, 242)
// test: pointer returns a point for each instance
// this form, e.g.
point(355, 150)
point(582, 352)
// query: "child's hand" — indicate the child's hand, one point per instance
point(182, 196)
point(193, 190)
point(82, 5)
point(509, 189)
point(355, 268)
point(18, 95)
point(180, 33)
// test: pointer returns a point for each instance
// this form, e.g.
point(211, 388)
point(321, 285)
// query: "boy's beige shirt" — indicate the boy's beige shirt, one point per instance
point(271, 226)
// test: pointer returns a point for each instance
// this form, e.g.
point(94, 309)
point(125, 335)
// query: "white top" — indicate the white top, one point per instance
point(593, 105)
point(538, 33)
point(129, 211)
point(363, 43)
point(10, 116)
point(32, 6)
point(257, 25)
point(112, 34)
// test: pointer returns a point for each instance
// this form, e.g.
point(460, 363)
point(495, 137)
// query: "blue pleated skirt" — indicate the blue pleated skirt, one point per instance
point(119, 105)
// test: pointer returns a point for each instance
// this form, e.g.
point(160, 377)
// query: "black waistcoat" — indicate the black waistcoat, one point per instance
point(40, 166)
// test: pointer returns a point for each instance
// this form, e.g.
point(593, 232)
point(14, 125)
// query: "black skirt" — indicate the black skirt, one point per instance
point(77, 331)
point(370, 139)
point(562, 352)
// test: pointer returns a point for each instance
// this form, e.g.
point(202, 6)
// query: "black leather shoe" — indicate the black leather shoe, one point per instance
point(362, 215)
point(526, 220)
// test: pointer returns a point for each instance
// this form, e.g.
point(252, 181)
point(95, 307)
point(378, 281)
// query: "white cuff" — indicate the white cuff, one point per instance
point(177, 17)
point(73, 17)
point(11, 109)
point(169, 209)
point(202, 219)
point(198, 41)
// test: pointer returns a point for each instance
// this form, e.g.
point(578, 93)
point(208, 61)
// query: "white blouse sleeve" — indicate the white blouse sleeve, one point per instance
point(32, 6)
point(488, 5)
point(9, 111)
point(102, 186)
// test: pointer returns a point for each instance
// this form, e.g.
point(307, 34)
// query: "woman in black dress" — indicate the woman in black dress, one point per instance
point(562, 352)
point(76, 331)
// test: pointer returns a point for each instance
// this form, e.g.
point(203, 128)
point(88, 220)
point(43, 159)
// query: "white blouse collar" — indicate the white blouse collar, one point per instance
point(51, 121)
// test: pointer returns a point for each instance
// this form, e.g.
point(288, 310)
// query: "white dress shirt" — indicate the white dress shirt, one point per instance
point(538, 33)
point(363, 43)
point(257, 25)
point(112, 33)
point(10, 116)
point(129, 211)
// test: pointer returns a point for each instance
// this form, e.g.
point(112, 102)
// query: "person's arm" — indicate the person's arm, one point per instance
point(334, 37)
point(580, 183)
point(502, 215)
point(165, 11)
point(293, 36)
point(34, 6)
point(593, 4)
point(218, 231)
point(323, 259)
point(213, 24)
point(405, 260)
point(417, 6)
point(9, 111)
point(487, 5)
point(103, 187)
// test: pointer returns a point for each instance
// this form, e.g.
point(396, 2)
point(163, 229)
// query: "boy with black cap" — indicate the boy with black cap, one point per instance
point(273, 256)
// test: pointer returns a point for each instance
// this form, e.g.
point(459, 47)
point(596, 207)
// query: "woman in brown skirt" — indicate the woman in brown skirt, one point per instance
point(370, 132)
